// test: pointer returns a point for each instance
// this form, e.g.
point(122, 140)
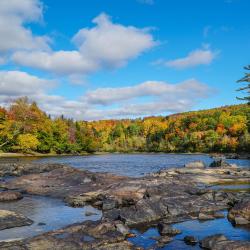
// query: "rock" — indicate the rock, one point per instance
point(240, 213)
point(89, 213)
point(88, 235)
point(10, 196)
point(232, 245)
point(220, 163)
point(41, 224)
point(195, 164)
point(163, 240)
point(165, 229)
point(9, 219)
point(241, 221)
point(210, 241)
point(122, 228)
point(203, 216)
point(109, 204)
point(21, 168)
point(190, 240)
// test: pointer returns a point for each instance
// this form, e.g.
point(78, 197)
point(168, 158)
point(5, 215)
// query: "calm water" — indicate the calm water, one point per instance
point(54, 213)
point(195, 228)
point(133, 165)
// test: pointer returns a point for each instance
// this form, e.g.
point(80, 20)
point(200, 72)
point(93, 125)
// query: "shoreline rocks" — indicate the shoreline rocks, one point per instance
point(10, 196)
point(163, 198)
point(9, 219)
point(239, 214)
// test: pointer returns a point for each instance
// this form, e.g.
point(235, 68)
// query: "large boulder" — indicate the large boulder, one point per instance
point(9, 219)
point(165, 229)
point(195, 164)
point(210, 241)
point(240, 213)
point(220, 242)
point(221, 163)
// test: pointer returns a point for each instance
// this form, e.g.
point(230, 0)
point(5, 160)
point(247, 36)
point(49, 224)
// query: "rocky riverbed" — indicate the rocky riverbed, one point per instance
point(156, 200)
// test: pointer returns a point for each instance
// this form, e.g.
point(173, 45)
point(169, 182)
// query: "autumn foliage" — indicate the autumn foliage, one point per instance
point(25, 128)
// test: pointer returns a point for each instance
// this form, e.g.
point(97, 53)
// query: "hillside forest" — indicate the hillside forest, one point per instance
point(24, 127)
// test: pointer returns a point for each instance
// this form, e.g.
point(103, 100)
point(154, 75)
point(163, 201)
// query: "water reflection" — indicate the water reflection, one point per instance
point(47, 214)
point(195, 228)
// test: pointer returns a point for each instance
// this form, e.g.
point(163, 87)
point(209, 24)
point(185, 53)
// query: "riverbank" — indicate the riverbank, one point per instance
point(213, 155)
point(156, 200)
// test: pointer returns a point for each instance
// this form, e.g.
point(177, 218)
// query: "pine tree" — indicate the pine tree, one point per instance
point(245, 88)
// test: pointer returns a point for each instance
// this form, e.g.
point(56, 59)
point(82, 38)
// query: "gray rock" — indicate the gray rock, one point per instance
point(9, 219)
point(190, 240)
point(210, 241)
point(165, 229)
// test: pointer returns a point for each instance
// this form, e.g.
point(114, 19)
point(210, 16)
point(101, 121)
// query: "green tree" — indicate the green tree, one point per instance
point(246, 88)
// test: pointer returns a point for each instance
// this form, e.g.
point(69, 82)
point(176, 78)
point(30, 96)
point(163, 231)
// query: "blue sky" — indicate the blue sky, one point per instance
point(98, 59)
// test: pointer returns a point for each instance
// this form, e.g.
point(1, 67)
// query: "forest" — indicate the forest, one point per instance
point(25, 128)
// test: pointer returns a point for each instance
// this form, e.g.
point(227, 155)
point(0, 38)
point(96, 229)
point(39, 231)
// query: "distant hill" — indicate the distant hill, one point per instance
point(26, 128)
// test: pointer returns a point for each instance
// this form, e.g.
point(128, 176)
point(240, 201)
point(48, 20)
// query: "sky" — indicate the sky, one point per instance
point(112, 59)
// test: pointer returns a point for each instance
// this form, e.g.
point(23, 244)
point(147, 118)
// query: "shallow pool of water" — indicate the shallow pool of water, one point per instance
point(133, 165)
point(195, 228)
point(53, 212)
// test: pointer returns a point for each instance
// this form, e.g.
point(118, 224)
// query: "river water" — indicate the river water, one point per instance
point(133, 165)
point(54, 214)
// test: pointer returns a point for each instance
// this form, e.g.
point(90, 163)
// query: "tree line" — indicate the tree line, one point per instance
point(24, 127)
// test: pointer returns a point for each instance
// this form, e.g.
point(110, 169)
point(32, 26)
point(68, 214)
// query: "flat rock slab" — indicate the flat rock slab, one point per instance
point(9, 219)
point(88, 235)
point(10, 196)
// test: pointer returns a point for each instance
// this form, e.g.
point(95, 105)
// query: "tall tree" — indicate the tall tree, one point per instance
point(246, 88)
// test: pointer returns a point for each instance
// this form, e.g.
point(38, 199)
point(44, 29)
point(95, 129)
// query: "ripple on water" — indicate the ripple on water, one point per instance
point(50, 213)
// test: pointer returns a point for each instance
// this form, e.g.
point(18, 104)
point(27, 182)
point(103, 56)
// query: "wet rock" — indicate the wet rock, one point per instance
point(232, 245)
point(195, 164)
point(122, 228)
point(190, 240)
point(220, 242)
point(220, 163)
point(163, 240)
point(18, 168)
point(41, 224)
point(10, 196)
point(89, 213)
point(203, 216)
point(109, 204)
point(85, 236)
point(240, 213)
point(210, 241)
point(165, 229)
point(9, 219)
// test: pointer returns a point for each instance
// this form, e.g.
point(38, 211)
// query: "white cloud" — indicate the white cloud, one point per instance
point(14, 15)
point(194, 58)
point(148, 98)
point(18, 83)
point(106, 45)
point(107, 96)
point(60, 62)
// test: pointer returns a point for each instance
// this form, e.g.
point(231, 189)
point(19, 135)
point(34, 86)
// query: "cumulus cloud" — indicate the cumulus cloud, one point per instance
point(60, 62)
point(194, 58)
point(14, 15)
point(18, 83)
point(107, 96)
point(106, 45)
point(147, 98)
